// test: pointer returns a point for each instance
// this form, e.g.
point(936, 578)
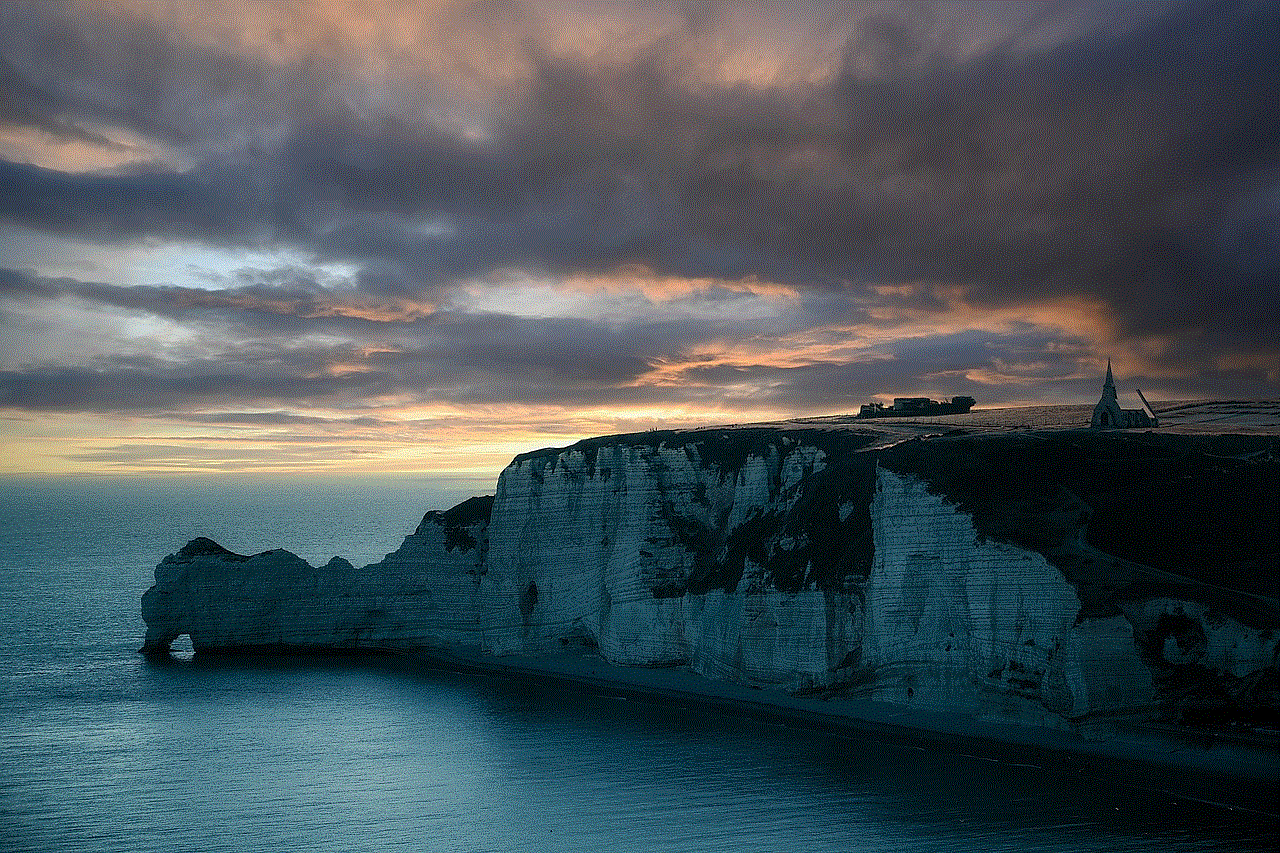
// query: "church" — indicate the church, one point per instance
point(1108, 414)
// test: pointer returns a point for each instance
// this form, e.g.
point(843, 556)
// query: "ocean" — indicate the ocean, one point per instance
point(104, 750)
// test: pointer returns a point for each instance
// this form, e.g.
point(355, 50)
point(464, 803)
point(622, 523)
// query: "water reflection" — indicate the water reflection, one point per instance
point(383, 750)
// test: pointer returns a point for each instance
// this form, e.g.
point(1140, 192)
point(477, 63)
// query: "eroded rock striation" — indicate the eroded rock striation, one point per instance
point(1052, 578)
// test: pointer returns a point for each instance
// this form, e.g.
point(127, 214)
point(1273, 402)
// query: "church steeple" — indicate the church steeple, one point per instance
point(1108, 414)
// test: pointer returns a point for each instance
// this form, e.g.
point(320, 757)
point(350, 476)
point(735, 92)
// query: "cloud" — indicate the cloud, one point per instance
point(300, 345)
point(629, 209)
point(124, 389)
point(1054, 169)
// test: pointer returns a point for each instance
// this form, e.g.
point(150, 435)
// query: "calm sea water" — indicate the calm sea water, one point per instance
point(101, 750)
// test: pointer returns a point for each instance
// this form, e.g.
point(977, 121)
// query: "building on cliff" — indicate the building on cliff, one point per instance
point(1108, 414)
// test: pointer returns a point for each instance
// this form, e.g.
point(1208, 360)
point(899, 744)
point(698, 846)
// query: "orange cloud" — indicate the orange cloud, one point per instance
point(81, 149)
point(638, 278)
point(401, 311)
point(913, 310)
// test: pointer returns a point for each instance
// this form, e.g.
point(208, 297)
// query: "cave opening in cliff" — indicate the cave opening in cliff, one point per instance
point(182, 648)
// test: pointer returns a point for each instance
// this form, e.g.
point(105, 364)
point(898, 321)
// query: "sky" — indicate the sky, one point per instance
point(389, 237)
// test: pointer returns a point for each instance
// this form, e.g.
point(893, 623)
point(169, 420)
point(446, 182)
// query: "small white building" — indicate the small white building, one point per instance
point(1108, 414)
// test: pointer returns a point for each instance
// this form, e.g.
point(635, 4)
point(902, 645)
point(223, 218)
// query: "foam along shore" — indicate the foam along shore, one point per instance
point(1204, 768)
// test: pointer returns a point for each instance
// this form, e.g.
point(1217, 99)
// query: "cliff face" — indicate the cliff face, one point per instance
point(955, 621)
point(959, 573)
point(424, 594)
point(654, 554)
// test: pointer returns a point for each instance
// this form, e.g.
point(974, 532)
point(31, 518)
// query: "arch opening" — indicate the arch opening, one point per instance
point(182, 648)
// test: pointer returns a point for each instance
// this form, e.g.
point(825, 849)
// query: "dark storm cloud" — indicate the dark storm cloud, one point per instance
point(265, 318)
point(1137, 170)
point(279, 302)
point(204, 206)
point(451, 356)
point(253, 360)
point(161, 386)
point(101, 66)
point(27, 105)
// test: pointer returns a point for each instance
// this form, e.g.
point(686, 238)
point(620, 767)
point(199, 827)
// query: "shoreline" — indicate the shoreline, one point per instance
point(1190, 764)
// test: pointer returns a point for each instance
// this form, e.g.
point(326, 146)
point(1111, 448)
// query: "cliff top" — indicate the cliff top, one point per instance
point(1197, 417)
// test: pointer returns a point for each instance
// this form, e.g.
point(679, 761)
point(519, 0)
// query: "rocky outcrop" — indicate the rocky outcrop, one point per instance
point(423, 594)
point(959, 573)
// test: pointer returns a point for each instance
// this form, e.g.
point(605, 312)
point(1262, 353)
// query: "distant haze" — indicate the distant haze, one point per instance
point(240, 236)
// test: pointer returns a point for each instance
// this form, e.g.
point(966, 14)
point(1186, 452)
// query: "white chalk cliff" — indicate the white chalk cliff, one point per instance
point(784, 559)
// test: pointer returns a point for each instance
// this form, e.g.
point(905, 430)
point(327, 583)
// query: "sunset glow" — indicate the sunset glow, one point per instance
point(332, 236)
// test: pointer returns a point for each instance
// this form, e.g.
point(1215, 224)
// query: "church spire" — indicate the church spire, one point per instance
point(1108, 414)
